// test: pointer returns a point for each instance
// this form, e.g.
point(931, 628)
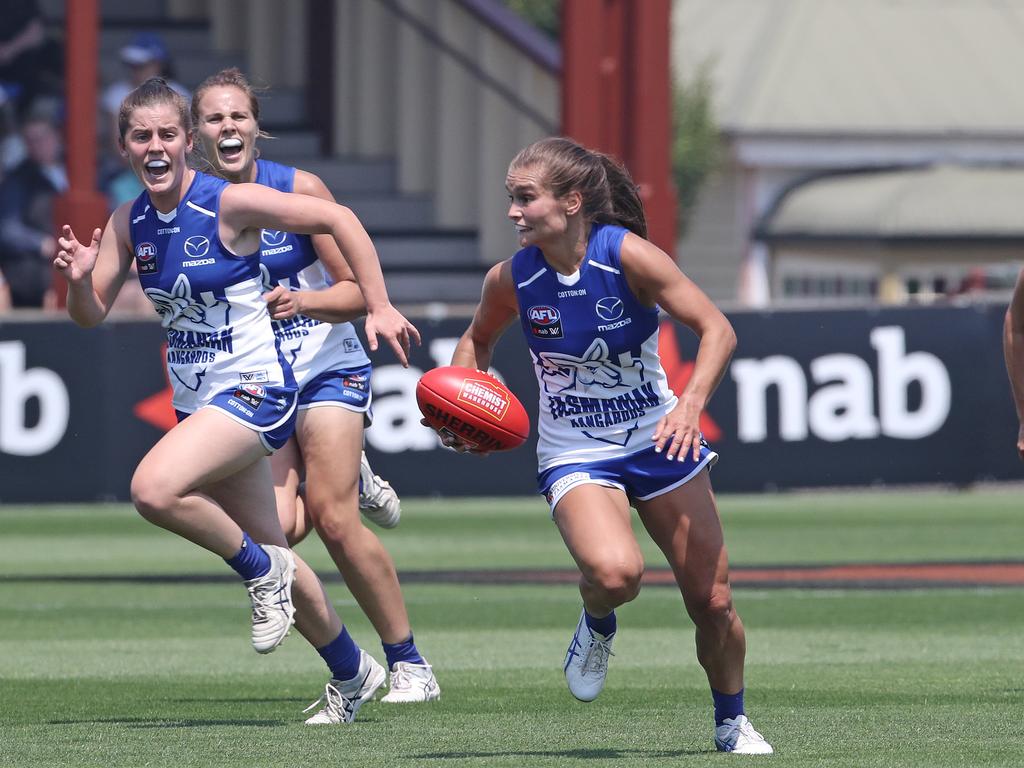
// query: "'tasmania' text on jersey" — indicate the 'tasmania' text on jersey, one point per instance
point(310, 346)
point(210, 301)
point(595, 352)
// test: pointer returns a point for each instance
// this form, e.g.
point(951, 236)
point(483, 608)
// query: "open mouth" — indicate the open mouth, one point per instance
point(157, 169)
point(230, 148)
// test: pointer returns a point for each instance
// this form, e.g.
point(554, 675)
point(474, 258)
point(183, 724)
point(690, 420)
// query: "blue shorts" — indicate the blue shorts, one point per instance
point(642, 475)
point(268, 410)
point(341, 388)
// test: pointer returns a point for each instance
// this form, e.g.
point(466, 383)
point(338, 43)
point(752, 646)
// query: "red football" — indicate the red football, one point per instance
point(474, 406)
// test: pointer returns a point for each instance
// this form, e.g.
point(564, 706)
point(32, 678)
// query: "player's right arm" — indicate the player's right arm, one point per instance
point(95, 272)
point(1013, 352)
point(496, 311)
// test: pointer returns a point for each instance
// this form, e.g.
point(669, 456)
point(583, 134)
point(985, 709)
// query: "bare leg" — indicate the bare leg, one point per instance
point(331, 443)
point(594, 523)
point(684, 523)
point(248, 496)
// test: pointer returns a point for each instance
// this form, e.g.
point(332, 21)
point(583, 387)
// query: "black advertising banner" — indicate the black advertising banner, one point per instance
point(811, 398)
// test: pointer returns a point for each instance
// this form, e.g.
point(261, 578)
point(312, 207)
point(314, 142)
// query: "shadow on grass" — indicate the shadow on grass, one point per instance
point(163, 722)
point(579, 754)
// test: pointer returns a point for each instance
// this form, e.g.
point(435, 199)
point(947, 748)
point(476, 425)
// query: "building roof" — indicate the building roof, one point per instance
point(857, 67)
point(934, 204)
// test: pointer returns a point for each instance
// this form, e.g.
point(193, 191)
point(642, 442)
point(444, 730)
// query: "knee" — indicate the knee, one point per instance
point(336, 523)
point(152, 496)
point(712, 608)
point(620, 582)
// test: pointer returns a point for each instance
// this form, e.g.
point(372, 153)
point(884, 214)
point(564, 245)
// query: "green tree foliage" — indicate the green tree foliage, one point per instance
point(543, 14)
point(696, 149)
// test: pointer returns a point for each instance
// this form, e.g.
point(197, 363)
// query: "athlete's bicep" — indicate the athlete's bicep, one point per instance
point(498, 308)
point(254, 206)
point(656, 279)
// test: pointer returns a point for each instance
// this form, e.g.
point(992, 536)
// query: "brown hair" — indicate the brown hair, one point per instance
point(230, 77)
point(609, 194)
point(153, 91)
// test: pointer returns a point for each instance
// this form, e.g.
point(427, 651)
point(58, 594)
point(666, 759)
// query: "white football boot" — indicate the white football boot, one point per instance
point(738, 736)
point(345, 697)
point(586, 661)
point(273, 612)
point(412, 682)
point(377, 499)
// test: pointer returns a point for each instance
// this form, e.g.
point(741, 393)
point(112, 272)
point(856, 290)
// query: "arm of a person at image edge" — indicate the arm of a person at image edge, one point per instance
point(342, 302)
point(1013, 352)
point(496, 311)
point(656, 280)
point(94, 269)
point(253, 206)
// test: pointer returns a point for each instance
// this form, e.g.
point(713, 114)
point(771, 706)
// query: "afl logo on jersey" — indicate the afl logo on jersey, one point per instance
point(145, 258)
point(197, 246)
point(545, 322)
point(610, 308)
point(273, 237)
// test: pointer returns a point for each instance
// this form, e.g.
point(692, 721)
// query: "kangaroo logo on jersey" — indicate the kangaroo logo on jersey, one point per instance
point(179, 304)
point(197, 246)
point(545, 322)
point(145, 258)
point(622, 395)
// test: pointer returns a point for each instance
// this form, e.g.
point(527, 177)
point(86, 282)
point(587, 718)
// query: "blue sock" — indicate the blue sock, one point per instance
point(605, 626)
point(342, 656)
point(403, 651)
point(727, 705)
point(250, 562)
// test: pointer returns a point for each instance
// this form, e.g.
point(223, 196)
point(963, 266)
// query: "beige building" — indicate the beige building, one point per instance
point(872, 147)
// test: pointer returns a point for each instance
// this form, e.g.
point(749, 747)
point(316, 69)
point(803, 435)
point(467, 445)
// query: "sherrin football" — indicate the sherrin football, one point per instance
point(474, 406)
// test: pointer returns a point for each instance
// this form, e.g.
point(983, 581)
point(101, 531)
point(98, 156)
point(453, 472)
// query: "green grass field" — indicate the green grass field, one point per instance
point(113, 672)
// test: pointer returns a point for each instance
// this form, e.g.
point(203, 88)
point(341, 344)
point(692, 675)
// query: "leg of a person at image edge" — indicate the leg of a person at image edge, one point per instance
point(210, 451)
point(685, 524)
point(331, 444)
point(595, 524)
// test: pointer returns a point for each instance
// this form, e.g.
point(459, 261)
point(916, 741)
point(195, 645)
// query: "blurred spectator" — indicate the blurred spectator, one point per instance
point(27, 195)
point(31, 64)
point(5, 295)
point(144, 57)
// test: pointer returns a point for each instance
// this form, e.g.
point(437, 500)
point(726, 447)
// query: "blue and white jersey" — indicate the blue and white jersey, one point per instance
point(210, 301)
point(309, 345)
point(595, 352)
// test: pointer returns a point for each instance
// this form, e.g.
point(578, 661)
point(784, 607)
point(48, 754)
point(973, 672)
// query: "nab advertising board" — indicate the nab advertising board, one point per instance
point(811, 398)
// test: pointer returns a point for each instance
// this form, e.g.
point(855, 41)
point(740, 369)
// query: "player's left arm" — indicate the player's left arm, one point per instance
point(342, 301)
point(1013, 353)
point(248, 207)
point(655, 279)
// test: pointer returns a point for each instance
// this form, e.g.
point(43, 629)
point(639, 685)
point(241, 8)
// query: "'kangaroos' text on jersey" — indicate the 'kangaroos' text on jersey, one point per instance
point(309, 345)
point(210, 301)
point(595, 353)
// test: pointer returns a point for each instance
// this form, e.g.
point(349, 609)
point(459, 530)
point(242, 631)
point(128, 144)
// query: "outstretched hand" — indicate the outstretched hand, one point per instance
point(74, 260)
point(391, 325)
point(678, 431)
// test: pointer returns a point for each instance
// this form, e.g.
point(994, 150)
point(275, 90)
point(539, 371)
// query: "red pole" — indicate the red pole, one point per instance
point(616, 95)
point(649, 116)
point(82, 206)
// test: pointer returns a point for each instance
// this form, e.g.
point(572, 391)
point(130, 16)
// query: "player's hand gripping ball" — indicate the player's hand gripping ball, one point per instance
point(472, 408)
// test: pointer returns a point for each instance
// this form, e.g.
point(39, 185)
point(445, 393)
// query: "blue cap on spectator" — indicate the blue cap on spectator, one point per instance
point(144, 48)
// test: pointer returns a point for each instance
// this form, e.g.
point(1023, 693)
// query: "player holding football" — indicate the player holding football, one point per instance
point(586, 288)
point(333, 374)
point(195, 240)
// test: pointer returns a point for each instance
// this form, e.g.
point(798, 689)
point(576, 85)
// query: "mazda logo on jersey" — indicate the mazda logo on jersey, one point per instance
point(145, 255)
point(545, 322)
point(196, 246)
point(610, 308)
point(273, 237)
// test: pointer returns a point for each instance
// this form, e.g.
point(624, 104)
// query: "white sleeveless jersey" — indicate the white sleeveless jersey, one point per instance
point(310, 346)
point(210, 301)
point(595, 352)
